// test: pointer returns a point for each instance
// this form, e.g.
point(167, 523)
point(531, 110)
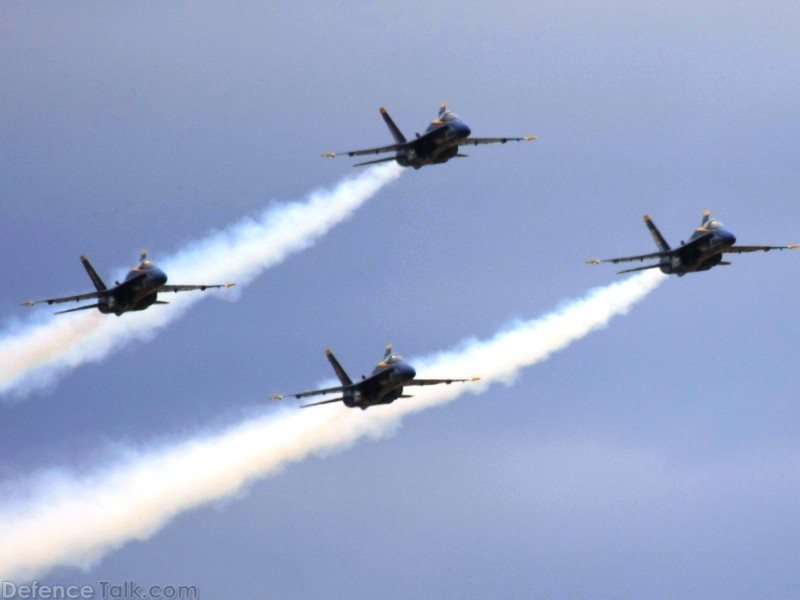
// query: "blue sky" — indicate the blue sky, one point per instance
point(656, 457)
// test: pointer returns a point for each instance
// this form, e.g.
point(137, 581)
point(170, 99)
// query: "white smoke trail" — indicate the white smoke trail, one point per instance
point(36, 353)
point(66, 519)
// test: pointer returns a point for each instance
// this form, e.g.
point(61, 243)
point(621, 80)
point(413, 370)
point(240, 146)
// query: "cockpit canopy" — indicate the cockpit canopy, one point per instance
point(145, 264)
point(448, 116)
point(393, 359)
point(714, 224)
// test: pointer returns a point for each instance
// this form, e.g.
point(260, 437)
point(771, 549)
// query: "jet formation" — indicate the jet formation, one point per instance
point(437, 145)
point(704, 250)
point(139, 290)
point(383, 386)
point(441, 141)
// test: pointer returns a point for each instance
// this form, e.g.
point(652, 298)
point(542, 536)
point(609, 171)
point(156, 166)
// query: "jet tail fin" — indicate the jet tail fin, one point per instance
point(662, 244)
point(98, 283)
point(388, 352)
point(340, 372)
point(396, 133)
point(706, 217)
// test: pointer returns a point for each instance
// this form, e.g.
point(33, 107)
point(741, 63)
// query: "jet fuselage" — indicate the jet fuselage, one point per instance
point(383, 386)
point(702, 252)
point(438, 145)
point(137, 292)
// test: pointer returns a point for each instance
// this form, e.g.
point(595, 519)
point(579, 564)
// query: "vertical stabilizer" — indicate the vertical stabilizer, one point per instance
point(388, 352)
point(340, 372)
point(662, 244)
point(98, 283)
point(706, 217)
point(396, 133)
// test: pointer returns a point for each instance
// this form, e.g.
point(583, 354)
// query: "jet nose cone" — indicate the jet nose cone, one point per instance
point(158, 276)
point(464, 129)
point(728, 238)
point(404, 373)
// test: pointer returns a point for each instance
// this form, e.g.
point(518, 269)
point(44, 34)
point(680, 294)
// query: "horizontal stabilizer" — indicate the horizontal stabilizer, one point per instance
point(322, 402)
point(655, 266)
point(374, 162)
point(61, 312)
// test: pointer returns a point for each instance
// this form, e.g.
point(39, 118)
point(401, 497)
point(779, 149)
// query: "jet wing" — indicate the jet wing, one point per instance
point(380, 150)
point(313, 393)
point(470, 141)
point(189, 288)
point(740, 249)
point(438, 381)
point(78, 298)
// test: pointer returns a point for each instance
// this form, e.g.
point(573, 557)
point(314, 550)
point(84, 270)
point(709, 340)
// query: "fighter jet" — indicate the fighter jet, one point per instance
point(139, 290)
point(383, 386)
point(438, 144)
point(703, 251)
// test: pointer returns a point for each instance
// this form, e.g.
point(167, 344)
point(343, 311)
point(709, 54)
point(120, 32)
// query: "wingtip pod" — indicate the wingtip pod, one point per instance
point(382, 110)
point(28, 303)
point(593, 261)
point(647, 219)
point(329, 155)
point(231, 284)
point(328, 352)
point(793, 246)
point(276, 397)
point(475, 379)
point(529, 138)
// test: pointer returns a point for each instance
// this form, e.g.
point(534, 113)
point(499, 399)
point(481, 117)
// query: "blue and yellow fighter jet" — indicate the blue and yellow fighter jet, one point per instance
point(138, 291)
point(438, 144)
point(703, 251)
point(383, 386)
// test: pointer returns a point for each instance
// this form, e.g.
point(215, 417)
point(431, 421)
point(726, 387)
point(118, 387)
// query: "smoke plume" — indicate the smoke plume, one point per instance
point(63, 518)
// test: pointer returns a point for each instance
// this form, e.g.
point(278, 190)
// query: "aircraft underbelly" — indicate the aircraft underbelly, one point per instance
point(378, 391)
point(133, 300)
point(699, 259)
